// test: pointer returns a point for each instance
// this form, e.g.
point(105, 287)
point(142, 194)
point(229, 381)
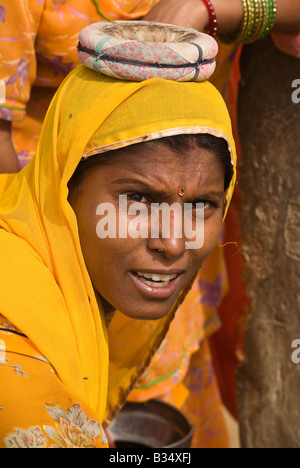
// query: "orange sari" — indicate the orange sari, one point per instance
point(38, 49)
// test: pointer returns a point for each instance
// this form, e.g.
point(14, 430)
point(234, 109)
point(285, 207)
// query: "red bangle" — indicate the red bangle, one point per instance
point(212, 18)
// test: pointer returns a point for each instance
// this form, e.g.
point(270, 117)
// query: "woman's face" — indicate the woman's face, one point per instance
point(142, 276)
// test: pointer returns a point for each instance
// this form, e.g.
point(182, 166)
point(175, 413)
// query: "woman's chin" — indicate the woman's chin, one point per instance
point(146, 314)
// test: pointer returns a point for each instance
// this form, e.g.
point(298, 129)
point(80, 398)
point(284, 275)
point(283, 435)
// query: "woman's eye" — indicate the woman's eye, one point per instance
point(137, 197)
point(205, 206)
point(201, 205)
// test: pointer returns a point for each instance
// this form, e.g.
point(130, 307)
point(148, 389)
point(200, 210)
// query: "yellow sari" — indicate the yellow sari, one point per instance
point(61, 374)
point(36, 56)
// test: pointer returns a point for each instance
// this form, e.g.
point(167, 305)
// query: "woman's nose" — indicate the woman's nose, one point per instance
point(171, 247)
point(169, 238)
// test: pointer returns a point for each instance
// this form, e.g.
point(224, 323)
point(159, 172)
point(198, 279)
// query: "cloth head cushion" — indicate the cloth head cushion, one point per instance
point(140, 50)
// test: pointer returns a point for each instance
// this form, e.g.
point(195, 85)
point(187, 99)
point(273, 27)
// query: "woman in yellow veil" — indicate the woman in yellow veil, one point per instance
point(61, 373)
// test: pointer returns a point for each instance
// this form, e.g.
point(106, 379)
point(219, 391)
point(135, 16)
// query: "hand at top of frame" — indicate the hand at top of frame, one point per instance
point(187, 13)
point(194, 14)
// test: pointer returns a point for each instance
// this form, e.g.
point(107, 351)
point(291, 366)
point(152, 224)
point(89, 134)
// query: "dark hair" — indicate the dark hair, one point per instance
point(207, 141)
point(178, 143)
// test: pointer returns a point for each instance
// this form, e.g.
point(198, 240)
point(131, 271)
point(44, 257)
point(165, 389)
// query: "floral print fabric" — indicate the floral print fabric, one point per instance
point(131, 50)
point(66, 433)
point(38, 41)
point(36, 409)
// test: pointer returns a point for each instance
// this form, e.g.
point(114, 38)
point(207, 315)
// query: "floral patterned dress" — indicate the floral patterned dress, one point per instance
point(39, 411)
point(38, 41)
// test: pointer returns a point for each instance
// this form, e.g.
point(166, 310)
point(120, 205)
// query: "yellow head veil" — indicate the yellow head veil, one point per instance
point(45, 289)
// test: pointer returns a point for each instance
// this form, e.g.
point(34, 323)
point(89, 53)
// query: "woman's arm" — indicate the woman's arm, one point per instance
point(19, 28)
point(193, 13)
point(8, 157)
point(288, 16)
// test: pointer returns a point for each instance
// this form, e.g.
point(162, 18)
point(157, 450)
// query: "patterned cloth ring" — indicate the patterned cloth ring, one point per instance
point(140, 50)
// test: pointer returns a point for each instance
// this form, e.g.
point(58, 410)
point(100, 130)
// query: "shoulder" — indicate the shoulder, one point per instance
point(36, 409)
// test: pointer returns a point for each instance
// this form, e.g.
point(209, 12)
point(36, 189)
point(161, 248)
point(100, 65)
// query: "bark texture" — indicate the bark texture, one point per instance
point(268, 382)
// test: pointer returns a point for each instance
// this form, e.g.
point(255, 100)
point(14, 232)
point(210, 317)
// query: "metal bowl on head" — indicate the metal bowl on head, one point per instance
point(151, 424)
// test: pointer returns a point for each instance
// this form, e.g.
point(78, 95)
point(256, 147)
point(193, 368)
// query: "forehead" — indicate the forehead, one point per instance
point(156, 153)
point(154, 160)
point(153, 166)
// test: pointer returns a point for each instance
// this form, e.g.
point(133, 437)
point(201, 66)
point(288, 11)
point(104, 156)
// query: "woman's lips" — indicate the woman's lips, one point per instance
point(156, 285)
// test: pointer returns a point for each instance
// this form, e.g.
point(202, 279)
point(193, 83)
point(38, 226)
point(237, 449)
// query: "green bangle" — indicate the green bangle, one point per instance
point(250, 23)
point(271, 11)
point(259, 18)
point(258, 21)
